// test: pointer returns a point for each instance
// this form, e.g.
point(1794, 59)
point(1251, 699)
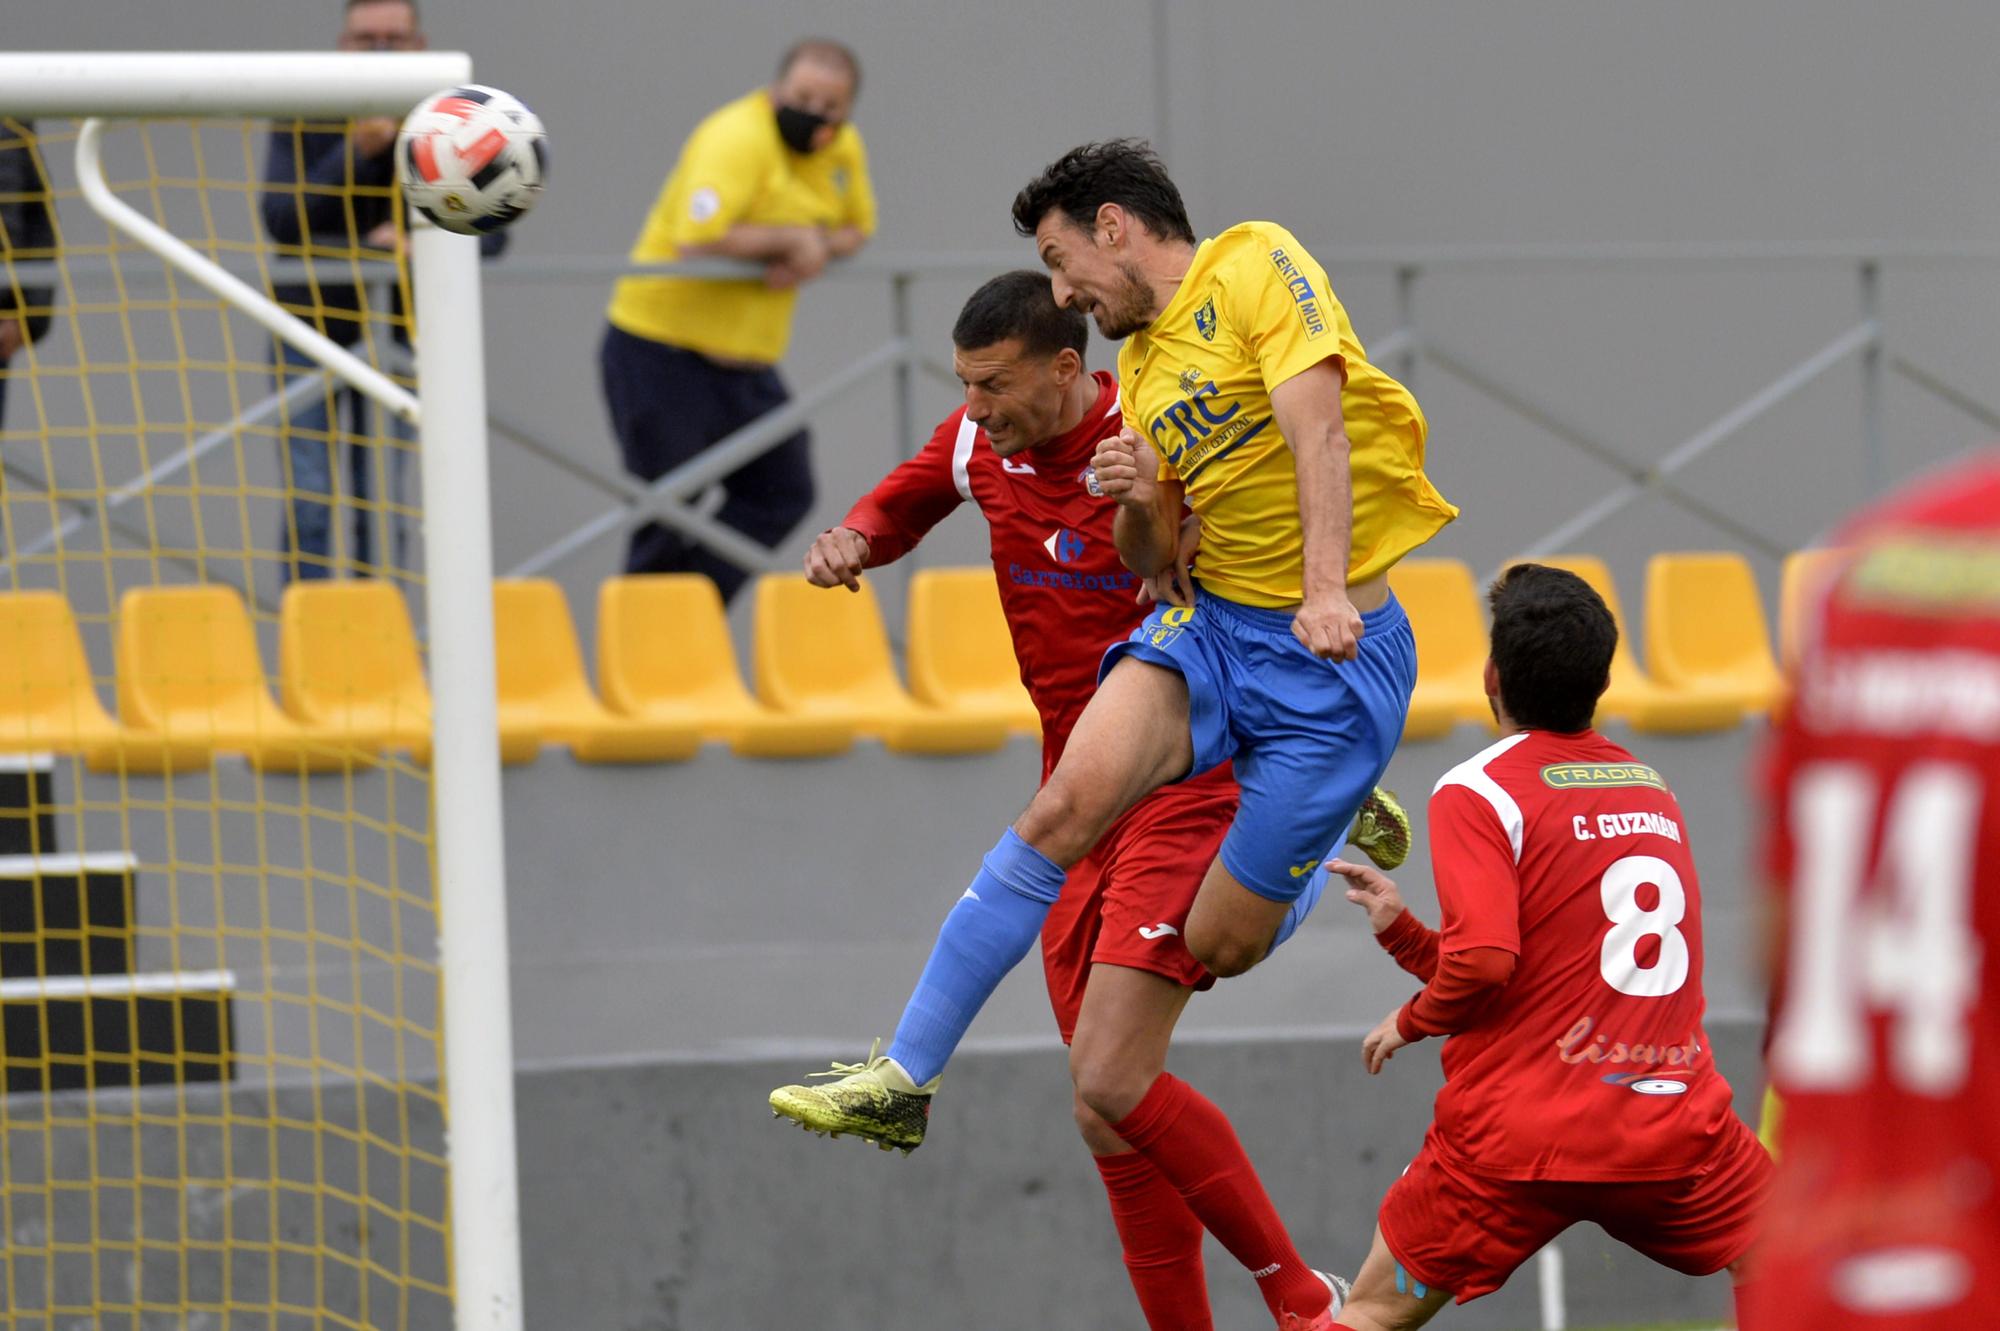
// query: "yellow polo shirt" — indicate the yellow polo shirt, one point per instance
point(1253, 311)
point(734, 168)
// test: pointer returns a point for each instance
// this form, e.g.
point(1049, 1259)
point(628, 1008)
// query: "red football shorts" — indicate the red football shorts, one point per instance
point(1127, 902)
point(1466, 1233)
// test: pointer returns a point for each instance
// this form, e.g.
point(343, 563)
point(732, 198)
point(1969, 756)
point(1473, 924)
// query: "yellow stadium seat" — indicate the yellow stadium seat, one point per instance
point(663, 651)
point(1634, 696)
point(348, 661)
point(1801, 578)
point(542, 687)
point(1442, 600)
point(188, 669)
point(824, 654)
point(1705, 634)
point(961, 656)
point(47, 701)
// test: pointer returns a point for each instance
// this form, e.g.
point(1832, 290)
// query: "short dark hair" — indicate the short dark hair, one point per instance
point(826, 50)
point(1020, 304)
point(1126, 172)
point(1552, 643)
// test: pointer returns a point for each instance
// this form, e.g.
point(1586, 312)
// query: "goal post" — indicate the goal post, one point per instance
point(463, 782)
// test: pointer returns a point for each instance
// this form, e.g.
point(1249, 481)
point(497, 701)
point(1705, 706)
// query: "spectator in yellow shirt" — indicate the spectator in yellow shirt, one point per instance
point(778, 177)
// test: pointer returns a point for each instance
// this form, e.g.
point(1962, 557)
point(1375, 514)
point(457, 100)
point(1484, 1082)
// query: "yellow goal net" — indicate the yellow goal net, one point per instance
point(236, 817)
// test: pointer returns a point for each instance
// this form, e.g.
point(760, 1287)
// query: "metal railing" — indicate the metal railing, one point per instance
point(673, 499)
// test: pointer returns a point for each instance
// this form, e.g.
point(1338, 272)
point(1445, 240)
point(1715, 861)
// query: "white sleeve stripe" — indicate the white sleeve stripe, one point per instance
point(1472, 775)
point(961, 456)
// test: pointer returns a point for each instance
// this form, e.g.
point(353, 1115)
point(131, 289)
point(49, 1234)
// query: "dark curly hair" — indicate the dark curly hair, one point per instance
point(1552, 643)
point(1126, 172)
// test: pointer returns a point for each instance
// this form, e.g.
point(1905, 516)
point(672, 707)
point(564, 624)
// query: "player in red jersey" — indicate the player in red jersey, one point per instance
point(1885, 813)
point(1118, 969)
point(1578, 1082)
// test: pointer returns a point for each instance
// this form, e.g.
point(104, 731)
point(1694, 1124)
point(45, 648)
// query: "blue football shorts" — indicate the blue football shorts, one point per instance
point(1310, 738)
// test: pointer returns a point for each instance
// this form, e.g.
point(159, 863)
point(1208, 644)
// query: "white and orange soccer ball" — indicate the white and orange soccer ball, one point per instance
point(472, 158)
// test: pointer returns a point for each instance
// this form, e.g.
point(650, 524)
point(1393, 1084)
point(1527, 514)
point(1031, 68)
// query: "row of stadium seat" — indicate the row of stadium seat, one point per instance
point(1708, 658)
point(190, 683)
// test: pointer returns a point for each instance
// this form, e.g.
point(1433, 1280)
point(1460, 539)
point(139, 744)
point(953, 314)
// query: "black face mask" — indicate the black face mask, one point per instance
point(797, 128)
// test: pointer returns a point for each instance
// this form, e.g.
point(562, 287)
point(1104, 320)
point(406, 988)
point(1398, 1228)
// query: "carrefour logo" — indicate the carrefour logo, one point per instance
point(1064, 546)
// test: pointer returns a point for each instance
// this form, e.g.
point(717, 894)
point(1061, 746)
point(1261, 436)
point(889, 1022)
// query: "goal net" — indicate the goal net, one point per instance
point(252, 940)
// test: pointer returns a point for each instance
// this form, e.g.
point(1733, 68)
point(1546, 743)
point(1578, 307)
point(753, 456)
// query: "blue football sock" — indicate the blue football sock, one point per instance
point(985, 936)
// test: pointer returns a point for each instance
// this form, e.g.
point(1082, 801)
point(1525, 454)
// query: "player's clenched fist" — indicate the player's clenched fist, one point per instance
point(1329, 626)
point(837, 559)
point(1124, 468)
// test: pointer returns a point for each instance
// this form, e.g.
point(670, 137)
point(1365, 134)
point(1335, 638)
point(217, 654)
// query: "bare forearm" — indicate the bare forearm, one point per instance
point(1326, 509)
point(842, 241)
point(1147, 538)
point(750, 240)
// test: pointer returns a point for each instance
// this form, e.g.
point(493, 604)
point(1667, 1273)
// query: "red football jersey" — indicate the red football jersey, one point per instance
point(1590, 1065)
point(1885, 855)
point(1066, 594)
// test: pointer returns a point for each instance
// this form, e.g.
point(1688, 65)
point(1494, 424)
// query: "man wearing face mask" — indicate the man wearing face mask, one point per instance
point(778, 177)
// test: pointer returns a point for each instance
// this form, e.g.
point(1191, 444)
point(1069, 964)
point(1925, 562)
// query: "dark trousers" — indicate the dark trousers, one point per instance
point(309, 462)
point(669, 404)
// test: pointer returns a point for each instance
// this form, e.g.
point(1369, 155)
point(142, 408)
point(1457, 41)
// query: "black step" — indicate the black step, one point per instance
point(116, 1032)
point(27, 804)
point(67, 915)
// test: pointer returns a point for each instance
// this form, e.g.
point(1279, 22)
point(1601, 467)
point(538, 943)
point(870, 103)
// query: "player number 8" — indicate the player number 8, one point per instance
point(1618, 958)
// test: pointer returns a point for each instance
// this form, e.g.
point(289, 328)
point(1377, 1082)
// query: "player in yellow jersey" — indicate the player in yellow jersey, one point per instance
point(1248, 396)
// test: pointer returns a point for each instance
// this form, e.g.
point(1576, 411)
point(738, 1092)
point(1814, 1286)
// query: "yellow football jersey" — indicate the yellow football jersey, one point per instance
point(734, 168)
point(1253, 311)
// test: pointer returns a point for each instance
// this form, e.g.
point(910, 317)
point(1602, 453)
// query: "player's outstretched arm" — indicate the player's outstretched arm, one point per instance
point(1307, 410)
point(837, 559)
point(1412, 943)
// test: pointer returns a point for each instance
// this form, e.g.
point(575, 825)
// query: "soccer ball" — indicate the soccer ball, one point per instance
point(471, 158)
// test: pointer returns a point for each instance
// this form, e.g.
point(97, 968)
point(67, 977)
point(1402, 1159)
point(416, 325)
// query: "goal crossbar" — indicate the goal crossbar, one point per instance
point(224, 83)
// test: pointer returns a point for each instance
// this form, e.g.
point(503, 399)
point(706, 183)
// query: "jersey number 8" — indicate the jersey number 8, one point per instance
point(1631, 924)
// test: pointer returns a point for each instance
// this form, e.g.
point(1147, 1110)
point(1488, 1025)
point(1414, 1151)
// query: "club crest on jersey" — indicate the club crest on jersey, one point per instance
point(1065, 546)
point(1089, 478)
point(1204, 320)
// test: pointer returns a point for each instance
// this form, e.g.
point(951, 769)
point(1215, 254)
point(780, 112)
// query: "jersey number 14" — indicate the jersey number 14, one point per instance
point(1905, 948)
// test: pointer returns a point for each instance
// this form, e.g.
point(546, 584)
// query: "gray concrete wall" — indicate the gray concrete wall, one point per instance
point(640, 1211)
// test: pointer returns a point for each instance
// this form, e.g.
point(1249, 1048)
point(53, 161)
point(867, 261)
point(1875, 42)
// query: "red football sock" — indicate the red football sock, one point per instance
point(1162, 1241)
point(1191, 1142)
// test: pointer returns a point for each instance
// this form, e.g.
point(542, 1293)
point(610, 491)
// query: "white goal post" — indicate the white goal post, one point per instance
point(450, 411)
